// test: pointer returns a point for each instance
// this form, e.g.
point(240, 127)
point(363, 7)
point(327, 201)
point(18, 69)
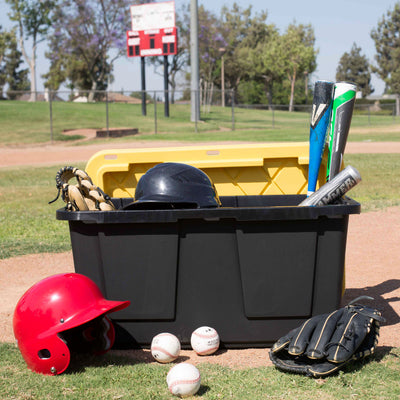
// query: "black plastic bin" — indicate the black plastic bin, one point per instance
point(252, 269)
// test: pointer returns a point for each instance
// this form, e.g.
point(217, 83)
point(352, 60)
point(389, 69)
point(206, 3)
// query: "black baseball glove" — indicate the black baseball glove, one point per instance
point(325, 343)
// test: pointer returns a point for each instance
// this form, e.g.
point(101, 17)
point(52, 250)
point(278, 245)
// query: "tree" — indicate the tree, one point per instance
point(4, 40)
point(33, 21)
point(10, 62)
point(211, 40)
point(299, 55)
point(354, 67)
point(282, 91)
point(267, 63)
point(387, 44)
point(242, 32)
point(16, 78)
point(88, 36)
point(251, 92)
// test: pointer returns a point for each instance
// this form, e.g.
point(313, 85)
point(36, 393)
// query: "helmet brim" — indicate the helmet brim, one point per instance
point(101, 307)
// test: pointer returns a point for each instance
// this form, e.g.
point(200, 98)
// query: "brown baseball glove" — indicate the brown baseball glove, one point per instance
point(84, 195)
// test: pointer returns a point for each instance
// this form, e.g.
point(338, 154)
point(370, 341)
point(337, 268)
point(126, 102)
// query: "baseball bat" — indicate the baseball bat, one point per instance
point(334, 189)
point(320, 119)
point(342, 112)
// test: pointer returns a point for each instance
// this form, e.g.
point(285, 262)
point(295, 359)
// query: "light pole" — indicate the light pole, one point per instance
point(306, 85)
point(222, 51)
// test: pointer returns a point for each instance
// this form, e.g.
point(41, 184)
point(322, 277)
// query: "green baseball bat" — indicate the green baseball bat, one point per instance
point(342, 111)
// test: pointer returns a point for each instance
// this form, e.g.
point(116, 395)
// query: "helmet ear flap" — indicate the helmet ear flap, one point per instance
point(52, 355)
point(106, 336)
point(94, 337)
point(49, 356)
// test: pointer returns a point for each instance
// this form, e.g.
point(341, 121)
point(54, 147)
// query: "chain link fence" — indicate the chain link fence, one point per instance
point(156, 105)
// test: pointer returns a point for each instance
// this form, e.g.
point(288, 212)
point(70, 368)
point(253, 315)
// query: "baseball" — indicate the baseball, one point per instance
point(165, 347)
point(183, 380)
point(205, 340)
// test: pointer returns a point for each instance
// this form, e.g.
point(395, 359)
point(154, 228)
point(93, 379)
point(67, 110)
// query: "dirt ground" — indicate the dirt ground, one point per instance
point(372, 258)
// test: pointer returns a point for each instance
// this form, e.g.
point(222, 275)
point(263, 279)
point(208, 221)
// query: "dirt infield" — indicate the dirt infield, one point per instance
point(372, 259)
point(52, 154)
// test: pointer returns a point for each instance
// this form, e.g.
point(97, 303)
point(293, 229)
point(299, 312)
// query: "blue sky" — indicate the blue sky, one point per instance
point(336, 25)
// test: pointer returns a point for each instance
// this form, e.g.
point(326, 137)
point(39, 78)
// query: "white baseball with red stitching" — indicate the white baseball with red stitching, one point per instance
point(165, 347)
point(183, 380)
point(205, 340)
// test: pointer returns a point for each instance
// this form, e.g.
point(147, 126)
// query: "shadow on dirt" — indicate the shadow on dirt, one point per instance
point(381, 302)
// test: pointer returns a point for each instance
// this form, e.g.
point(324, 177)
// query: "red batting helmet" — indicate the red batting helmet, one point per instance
point(57, 313)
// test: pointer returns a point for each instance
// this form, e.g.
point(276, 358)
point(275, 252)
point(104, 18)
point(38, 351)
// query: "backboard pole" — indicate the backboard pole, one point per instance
point(143, 73)
point(166, 93)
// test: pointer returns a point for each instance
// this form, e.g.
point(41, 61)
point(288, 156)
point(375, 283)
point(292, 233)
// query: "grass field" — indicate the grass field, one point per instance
point(113, 377)
point(29, 123)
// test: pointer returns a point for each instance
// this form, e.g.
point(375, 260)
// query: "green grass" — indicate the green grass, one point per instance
point(29, 123)
point(28, 223)
point(380, 185)
point(115, 377)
